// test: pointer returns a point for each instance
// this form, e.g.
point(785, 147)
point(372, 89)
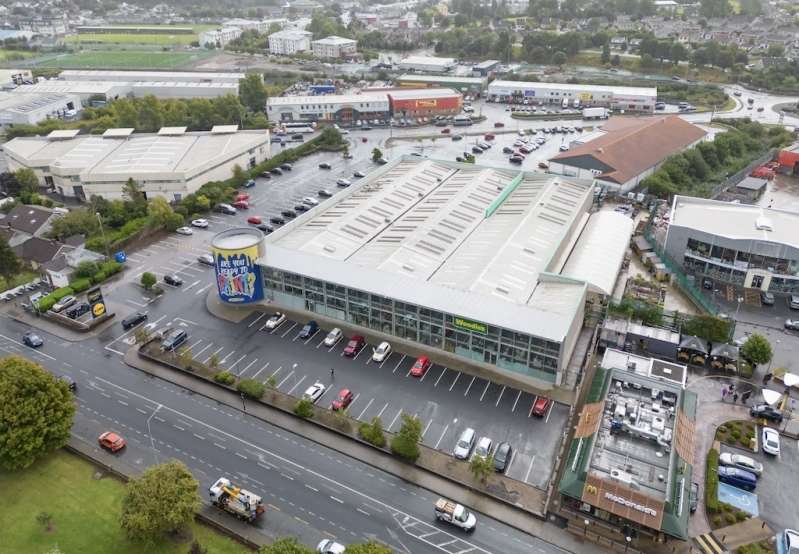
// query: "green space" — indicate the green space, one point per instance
point(14, 55)
point(85, 507)
point(133, 38)
point(121, 59)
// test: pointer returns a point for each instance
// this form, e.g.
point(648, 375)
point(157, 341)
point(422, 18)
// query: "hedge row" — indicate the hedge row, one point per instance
point(712, 481)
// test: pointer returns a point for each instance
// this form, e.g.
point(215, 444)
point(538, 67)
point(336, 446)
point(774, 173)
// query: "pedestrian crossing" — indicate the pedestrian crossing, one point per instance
point(709, 544)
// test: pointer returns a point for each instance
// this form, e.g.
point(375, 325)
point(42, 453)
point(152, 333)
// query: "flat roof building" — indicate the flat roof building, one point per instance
point(150, 76)
point(640, 99)
point(630, 150)
point(740, 245)
point(334, 47)
point(219, 37)
point(341, 108)
point(290, 41)
point(170, 165)
point(427, 64)
point(465, 259)
point(631, 460)
point(424, 102)
point(113, 89)
point(462, 84)
point(31, 108)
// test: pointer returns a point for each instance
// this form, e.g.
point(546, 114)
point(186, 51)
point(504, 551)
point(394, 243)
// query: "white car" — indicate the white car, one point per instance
point(65, 302)
point(740, 341)
point(275, 320)
point(315, 392)
point(382, 352)
point(359, 174)
point(564, 147)
point(330, 547)
point(464, 445)
point(308, 201)
point(333, 336)
point(791, 542)
point(771, 441)
point(741, 462)
point(343, 182)
point(483, 448)
point(201, 223)
point(184, 231)
point(206, 259)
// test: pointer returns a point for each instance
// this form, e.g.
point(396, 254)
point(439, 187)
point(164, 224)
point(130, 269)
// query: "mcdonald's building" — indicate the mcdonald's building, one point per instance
point(425, 102)
point(628, 469)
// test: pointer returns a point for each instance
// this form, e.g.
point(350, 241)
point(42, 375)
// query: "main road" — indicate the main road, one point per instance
point(311, 491)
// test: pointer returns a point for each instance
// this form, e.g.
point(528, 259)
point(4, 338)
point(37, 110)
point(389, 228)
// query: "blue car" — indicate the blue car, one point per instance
point(249, 184)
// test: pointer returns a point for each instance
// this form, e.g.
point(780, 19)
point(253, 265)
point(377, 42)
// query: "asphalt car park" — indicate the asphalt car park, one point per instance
point(447, 401)
point(776, 502)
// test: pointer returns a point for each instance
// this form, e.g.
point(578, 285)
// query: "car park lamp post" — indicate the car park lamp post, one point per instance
point(740, 300)
point(628, 539)
point(102, 232)
point(243, 405)
point(586, 522)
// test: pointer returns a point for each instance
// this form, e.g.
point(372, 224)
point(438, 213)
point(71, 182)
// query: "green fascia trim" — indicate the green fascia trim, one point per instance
point(503, 195)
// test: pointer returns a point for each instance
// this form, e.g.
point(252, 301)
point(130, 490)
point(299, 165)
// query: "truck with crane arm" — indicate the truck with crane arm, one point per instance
point(235, 500)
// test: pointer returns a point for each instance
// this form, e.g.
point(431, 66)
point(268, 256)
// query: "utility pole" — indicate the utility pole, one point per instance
point(102, 232)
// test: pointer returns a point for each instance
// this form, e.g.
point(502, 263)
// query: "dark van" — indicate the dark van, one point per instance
point(738, 478)
point(174, 339)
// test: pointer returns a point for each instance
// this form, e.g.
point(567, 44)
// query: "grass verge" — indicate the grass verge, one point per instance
point(125, 60)
point(85, 512)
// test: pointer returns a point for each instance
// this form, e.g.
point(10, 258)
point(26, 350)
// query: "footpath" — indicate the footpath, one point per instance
point(496, 509)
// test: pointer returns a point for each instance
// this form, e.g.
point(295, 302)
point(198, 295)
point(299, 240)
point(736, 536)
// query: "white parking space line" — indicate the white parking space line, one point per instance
point(191, 346)
point(455, 381)
point(311, 337)
point(516, 401)
point(195, 283)
point(439, 377)
point(257, 320)
point(385, 360)
point(212, 353)
point(366, 408)
point(426, 373)
point(202, 290)
point(297, 384)
point(399, 363)
point(470, 386)
point(500, 396)
point(390, 425)
point(260, 370)
point(532, 405)
point(276, 371)
point(426, 428)
point(286, 378)
point(228, 355)
point(288, 330)
point(488, 384)
point(359, 351)
point(527, 475)
point(380, 413)
point(236, 362)
point(338, 340)
point(551, 406)
point(444, 432)
point(243, 371)
point(321, 342)
point(512, 457)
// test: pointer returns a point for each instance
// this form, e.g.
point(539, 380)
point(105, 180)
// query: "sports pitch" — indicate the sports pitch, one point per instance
point(125, 60)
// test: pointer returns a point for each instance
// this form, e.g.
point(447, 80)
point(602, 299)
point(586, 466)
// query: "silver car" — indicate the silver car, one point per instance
point(333, 336)
point(483, 448)
point(464, 445)
point(741, 462)
point(315, 392)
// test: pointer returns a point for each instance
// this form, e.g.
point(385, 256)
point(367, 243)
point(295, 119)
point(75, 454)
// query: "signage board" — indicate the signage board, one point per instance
point(96, 302)
point(238, 277)
point(468, 325)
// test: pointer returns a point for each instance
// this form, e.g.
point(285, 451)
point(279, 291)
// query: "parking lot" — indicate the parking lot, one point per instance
point(776, 502)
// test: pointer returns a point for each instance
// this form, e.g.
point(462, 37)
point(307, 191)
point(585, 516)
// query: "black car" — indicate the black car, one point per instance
point(300, 208)
point(291, 214)
point(507, 150)
point(173, 280)
point(277, 220)
point(515, 159)
point(226, 209)
point(476, 149)
point(459, 159)
point(266, 175)
point(309, 329)
point(325, 165)
point(324, 193)
point(707, 284)
point(297, 137)
point(766, 412)
point(381, 161)
point(32, 339)
point(69, 381)
point(266, 229)
point(286, 167)
point(502, 456)
point(174, 339)
point(133, 320)
point(276, 171)
point(77, 310)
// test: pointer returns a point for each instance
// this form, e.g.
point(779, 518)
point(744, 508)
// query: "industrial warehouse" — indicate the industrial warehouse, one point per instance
point(636, 99)
point(171, 163)
point(490, 267)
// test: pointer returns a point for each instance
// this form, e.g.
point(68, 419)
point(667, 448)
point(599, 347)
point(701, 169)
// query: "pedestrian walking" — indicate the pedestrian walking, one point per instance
point(735, 398)
point(332, 373)
point(723, 394)
point(745, 397)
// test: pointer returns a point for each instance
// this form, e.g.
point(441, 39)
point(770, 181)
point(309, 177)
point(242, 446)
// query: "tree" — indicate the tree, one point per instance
point(213, 361)
point(286, 546)
point(615, 61)
point(81, 221)
point(239, 176)
point(197, 548)
point(37, 412)
point(28, 182)
point(406, 442)
point(368, 548)
point(372, 432)
point(376, 154)
point(481, 467)
point(162, 500)
point(303, 408)
point(252, 93)
point(45, 519)
point(605, 57)
point(148, 280)
point(757, 350)
point(775, 50)
point(151, 116)
point(559, 58)
point(159, 211)
point(131, 190)
point(9, 263)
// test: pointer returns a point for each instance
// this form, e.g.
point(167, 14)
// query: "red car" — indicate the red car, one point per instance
point(354, 346)
point(445, 131)
point(421, 366)
point(242, 197)
point(499, 124)
point(541, 406)
point(241, 205)
point(254, 219)
point(489, 136)
point(343, 400)
point(111, 441)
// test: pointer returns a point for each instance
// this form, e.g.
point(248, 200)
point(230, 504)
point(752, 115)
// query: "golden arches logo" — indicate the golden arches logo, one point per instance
point(591, 489)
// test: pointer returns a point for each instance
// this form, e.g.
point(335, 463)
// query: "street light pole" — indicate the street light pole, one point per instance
point(102, 232)
point(243, 405)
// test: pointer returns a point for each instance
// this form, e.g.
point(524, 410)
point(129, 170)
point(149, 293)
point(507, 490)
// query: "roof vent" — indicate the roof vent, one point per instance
point(631, 366)
point(329, 248)
point(408, 267)
point(502, 289)
point(763, 224)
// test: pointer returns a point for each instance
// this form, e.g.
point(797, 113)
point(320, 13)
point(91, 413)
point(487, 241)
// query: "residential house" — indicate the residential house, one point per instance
point(26, 222)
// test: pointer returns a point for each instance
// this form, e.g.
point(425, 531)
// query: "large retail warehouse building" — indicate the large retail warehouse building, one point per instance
point(492, 267)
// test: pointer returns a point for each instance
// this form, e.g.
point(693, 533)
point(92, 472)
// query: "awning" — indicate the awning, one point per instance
point(790, 379)
point(771, 396)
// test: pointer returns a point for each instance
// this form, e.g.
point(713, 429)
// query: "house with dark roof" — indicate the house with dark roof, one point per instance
point(25, 222)
point(37, 251)
point(630, 150)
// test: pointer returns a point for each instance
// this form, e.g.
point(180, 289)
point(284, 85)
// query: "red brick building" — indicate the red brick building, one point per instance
point(425, 102)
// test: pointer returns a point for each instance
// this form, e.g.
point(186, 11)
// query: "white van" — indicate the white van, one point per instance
point(793, 303)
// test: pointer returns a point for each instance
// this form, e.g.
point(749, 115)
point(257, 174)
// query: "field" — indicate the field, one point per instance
point(159, 40)
point(84, 512)
point(124, 60)
point(13, 55)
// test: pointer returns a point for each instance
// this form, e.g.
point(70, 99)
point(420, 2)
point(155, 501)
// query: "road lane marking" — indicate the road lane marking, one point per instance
point(311, 337)
point(380, 413)
point(307, 486)
point(512, 457)
point(527, 476)
point(393, 420)
point(202, 438)
point(202, 290)
point(516, 401)
point(366, 408)
point(367, 514)
point(236, 362)
point(455, 381)
point(297, 384)
point(195, 283)
point(286, 378)
point(288, 330)
point(220, 446)
point(336, 499)
point(191, 346)
point(425, 375)
point(444, 432)
point(257, 320)
point(532, 405)
point(212, 354)
point(228, 355)
point(485, 390)
point(551, 406)
point(426, 428)
point(398, 363)
point(439, 377)
point(243, 371)
point(260, 370)
point(500, 396)
point(359, 351)
point(240, 455)
point(470, 386)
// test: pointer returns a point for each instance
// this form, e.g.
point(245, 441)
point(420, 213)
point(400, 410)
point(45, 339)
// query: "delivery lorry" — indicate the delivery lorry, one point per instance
point(595, 113)
point(235, 500)
point(454, 513)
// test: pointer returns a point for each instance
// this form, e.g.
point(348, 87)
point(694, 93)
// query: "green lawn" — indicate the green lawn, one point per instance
point(125, 60)
point(85, 512)
point(13, 55)
point(119, 38)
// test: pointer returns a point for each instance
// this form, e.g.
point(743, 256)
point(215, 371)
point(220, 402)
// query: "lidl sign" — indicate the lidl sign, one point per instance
point(468, 325)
